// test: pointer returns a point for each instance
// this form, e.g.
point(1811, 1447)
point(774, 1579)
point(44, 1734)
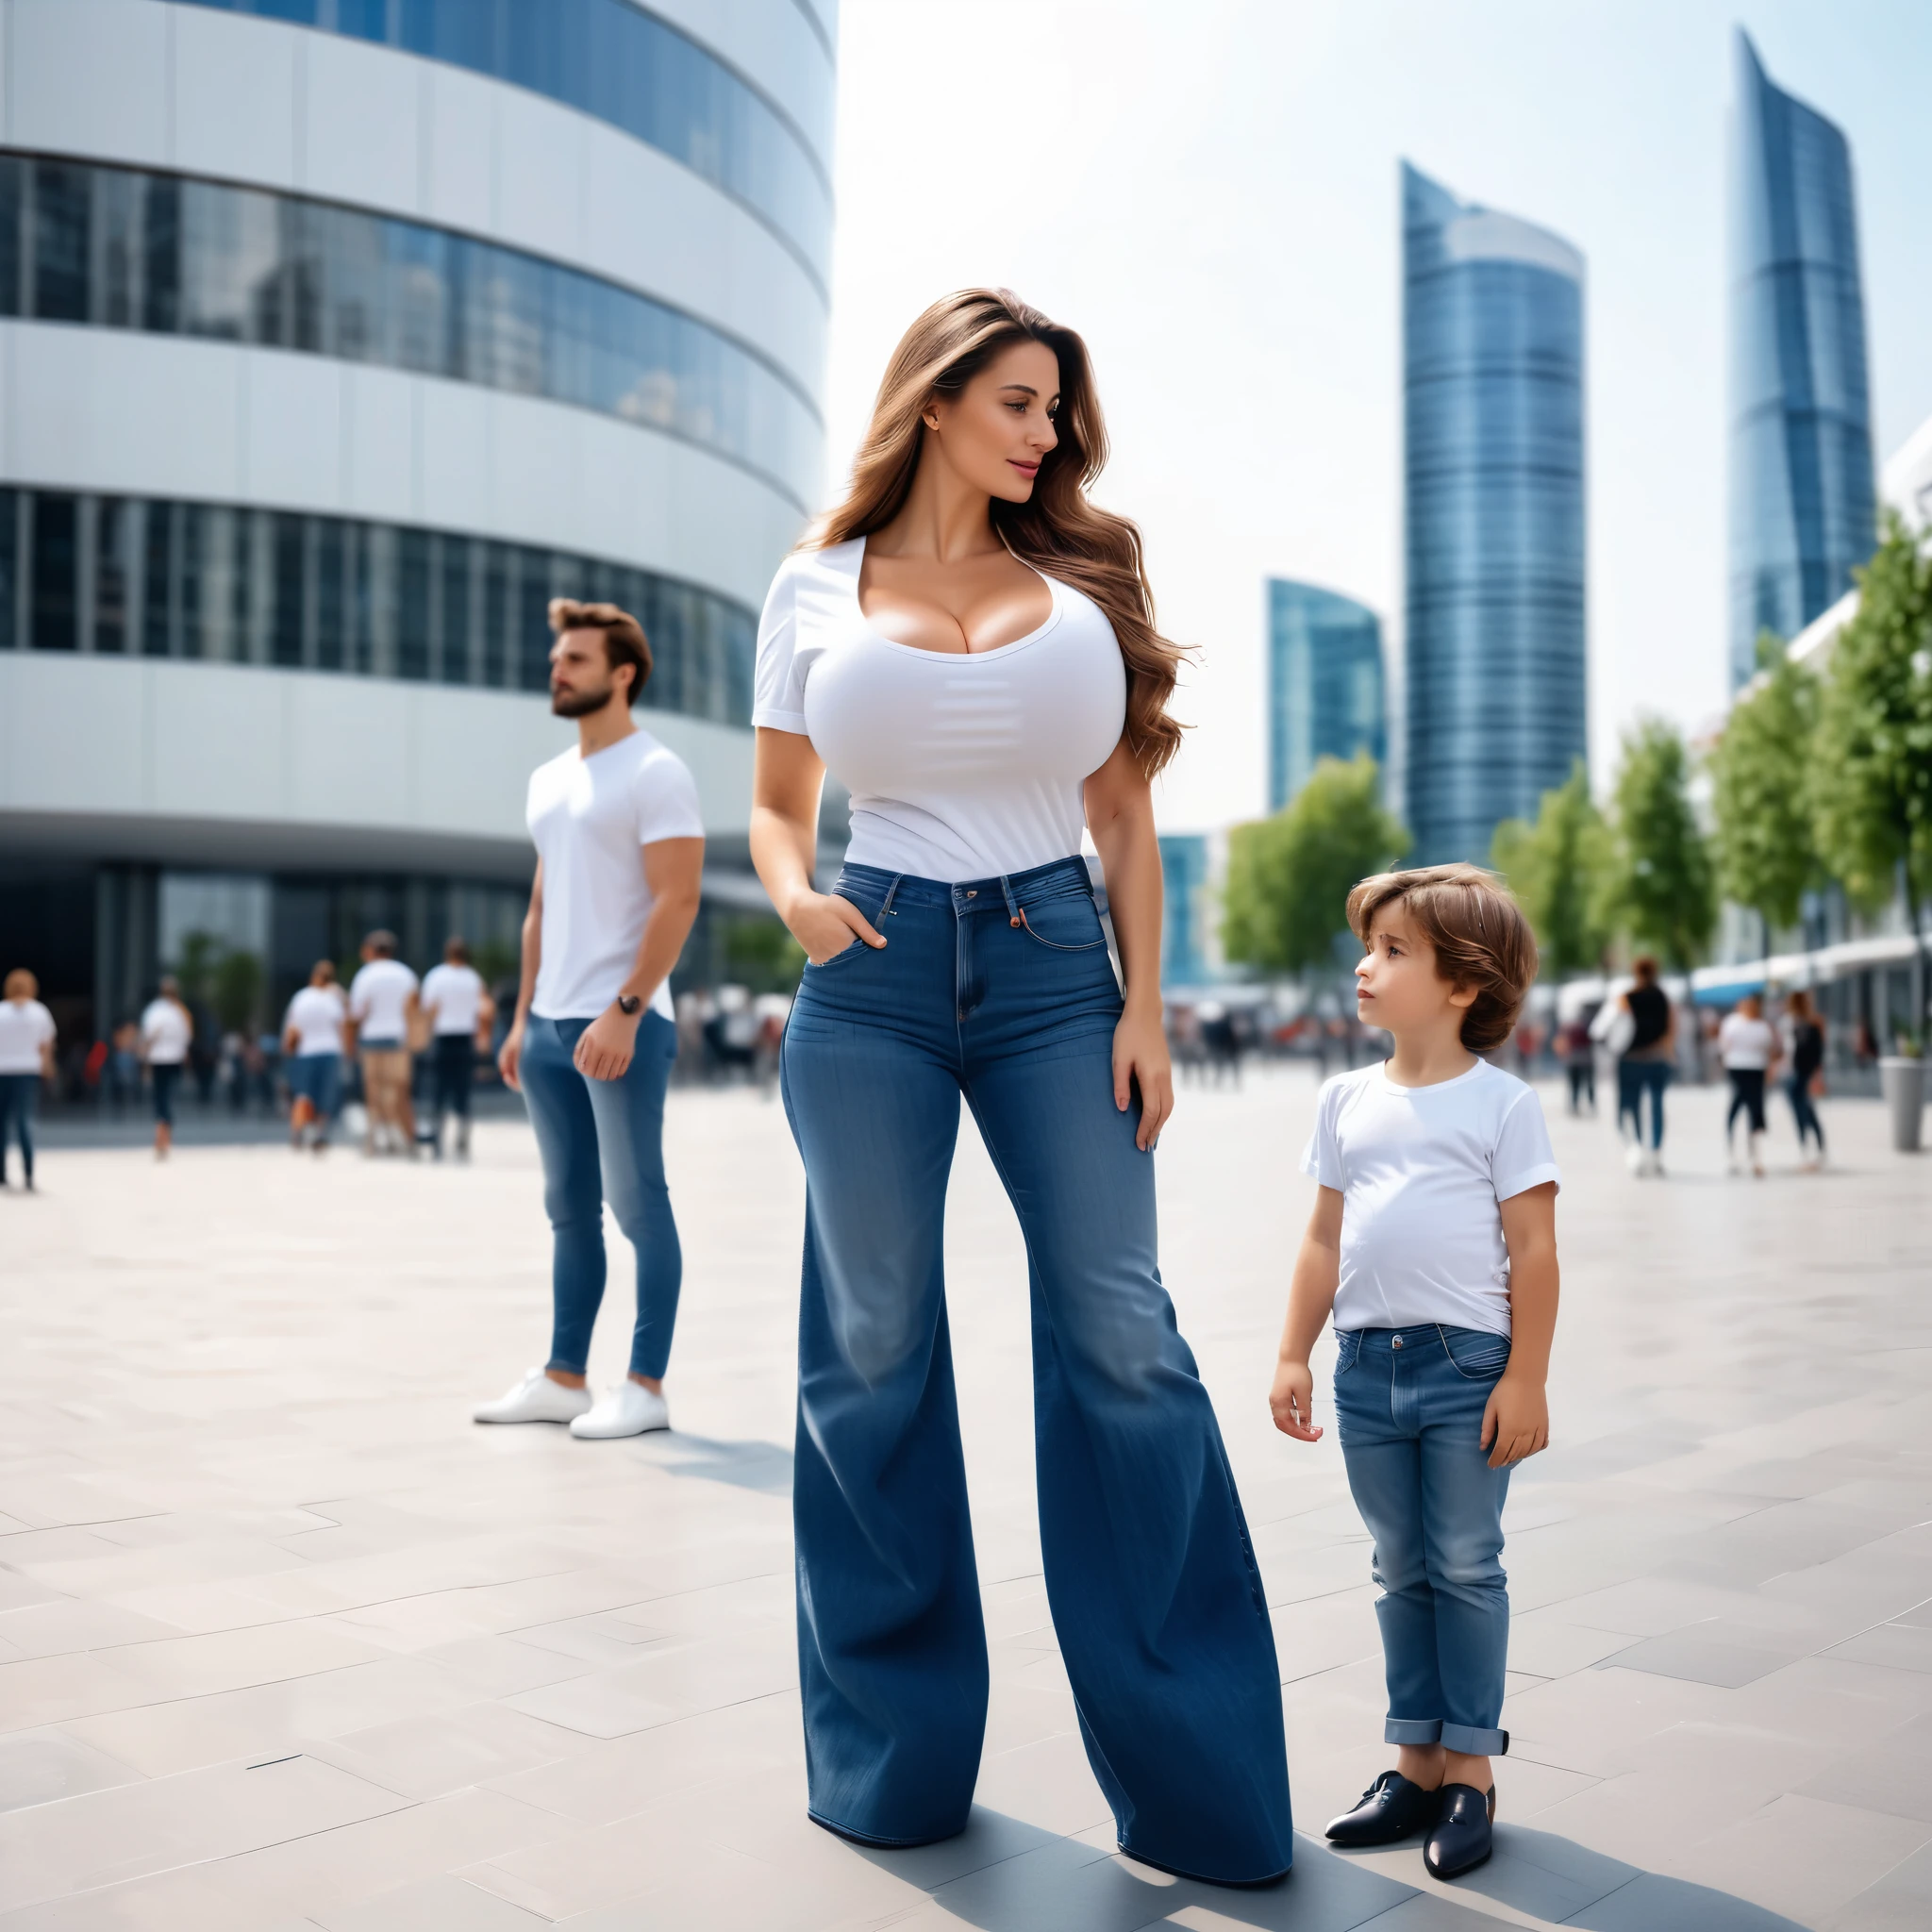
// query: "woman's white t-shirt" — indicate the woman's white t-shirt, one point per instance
point(1421, 1172)
point(315, 1016)
point(1747, 1045)
point(24, 1026)
point(165, 1033)
point(961, 765)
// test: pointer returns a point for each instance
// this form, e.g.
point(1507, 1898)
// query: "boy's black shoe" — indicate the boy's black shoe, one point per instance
point(1391, 1807)
point(1463, 1831)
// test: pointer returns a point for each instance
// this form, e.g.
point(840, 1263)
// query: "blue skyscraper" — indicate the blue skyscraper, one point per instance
point(1492, 432)
point(1326, 697)
point(1801, 426)
point(1184, 912)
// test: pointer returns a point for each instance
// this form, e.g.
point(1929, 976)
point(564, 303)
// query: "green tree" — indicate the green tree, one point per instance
point(1761, 793)
point(1289, 875)
point(236, 992)
point(1662, 888)
point(1557, 867)
point(1874, 769)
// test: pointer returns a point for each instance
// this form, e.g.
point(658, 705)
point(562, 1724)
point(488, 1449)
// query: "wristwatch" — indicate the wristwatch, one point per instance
point(628, 1004)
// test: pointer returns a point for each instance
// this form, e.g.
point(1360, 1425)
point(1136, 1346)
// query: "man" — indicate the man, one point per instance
point(459, 1009)
point(313, 1050)
point(620, 851)
point(382, 1003)
point(167, 1031)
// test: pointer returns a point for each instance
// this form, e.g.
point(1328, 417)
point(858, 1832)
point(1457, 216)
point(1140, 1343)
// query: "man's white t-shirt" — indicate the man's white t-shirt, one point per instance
point(1749, 1045)
point(456, 993)
point(590, 819)
point(1421, 1172)
point(24, 1026)
point(165, 1031)
point(961, 765)
point(315, 1017)
point(379, 1002)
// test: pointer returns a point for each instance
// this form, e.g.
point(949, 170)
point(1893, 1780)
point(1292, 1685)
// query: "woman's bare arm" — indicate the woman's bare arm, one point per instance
point(787, 777)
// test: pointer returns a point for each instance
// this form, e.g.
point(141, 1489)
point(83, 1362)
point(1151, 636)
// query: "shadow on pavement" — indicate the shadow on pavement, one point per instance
point(745, 1465)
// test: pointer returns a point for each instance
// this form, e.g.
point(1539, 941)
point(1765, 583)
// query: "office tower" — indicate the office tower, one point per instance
point(340, 337)
point(1493, 435)
point(1801, 425)
point(1326, 691)
point(1186, 909)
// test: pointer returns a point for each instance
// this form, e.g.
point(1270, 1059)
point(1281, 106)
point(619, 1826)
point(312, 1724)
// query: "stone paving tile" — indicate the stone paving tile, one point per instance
point(524, 1679)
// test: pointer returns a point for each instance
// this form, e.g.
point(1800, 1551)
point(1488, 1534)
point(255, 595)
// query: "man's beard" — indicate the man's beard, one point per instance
point(579, 704)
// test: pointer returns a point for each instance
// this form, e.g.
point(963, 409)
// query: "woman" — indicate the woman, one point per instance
point(969, 645)
point(1646, 1063)
point(312, 1055)
point(1807, 1071)
point(27, 1060)
point(1749, 1044)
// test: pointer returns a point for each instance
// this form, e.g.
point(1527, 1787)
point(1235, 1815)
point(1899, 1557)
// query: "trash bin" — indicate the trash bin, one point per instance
point(1903, 1079)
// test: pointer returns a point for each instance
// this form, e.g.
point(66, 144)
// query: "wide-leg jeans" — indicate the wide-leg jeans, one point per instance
point(1409, 1405)
point(1002, 990)
point(604, 1141)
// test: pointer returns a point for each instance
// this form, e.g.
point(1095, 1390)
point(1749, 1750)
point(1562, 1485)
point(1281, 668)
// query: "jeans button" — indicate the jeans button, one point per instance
point(1395, 1342)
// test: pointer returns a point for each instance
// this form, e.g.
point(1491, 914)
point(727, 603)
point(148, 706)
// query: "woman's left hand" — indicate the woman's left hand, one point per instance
point(1139, 1056)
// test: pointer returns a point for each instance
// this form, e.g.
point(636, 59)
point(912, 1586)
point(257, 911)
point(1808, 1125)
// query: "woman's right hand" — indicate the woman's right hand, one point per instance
point(824, 925)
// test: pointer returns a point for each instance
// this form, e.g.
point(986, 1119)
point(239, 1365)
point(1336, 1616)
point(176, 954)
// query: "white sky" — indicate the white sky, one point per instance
point(1207, 190)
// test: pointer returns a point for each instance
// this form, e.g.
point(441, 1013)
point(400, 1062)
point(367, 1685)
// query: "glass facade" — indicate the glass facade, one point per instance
point(121, 249)
point(1325, 694)
point(1801, 511)
point(614, 61)
point(1184, 908)
point(1493, 530)
point(136, 577)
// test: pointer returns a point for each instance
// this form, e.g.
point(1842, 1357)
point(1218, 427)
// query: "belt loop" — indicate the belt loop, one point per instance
point(1016, 916)
point(897, 877)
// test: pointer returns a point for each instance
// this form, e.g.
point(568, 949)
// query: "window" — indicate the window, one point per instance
point(56, 563)
point(119, 248)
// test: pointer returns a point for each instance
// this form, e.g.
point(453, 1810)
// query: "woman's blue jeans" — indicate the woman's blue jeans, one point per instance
point(1635, 1079)
point(604, 1141)
point(1409, 1405)
point(1002, 990)
point(18, 1093)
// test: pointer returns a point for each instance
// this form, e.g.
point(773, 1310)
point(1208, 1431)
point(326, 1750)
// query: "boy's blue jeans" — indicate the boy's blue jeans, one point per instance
point(604, 1141)
point(1408, 1405)
point(1000, 989)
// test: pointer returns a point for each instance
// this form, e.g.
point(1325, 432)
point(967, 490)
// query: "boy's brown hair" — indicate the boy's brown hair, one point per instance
point(624, 636)
point(1479, 931)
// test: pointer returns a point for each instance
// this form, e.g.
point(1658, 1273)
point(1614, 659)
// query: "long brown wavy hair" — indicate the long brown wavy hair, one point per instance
point(1057, 530)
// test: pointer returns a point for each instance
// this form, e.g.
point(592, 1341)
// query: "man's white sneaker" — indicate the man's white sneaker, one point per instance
point(630, 1409)
point(1634, 1159)
point(536, 1399)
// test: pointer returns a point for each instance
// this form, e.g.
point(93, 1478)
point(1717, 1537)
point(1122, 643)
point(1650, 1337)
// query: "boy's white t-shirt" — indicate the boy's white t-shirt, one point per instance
point(590, 819)
point(456, 993)
point(1747, 1045)
point(1421, 1172)
point(315, 1017)
point(379, 1000)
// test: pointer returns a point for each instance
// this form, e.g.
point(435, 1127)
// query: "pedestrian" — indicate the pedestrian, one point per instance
point(27, 1060)
point(382, 1007)
point(311, 1044)
point(1644, 1036)
point(967, 642)
point(620, 856)
point(1433, 1240)
point(167, 1033)
point(460, 1009)
point(1579, 1054)
point(1748, 1044)
point(1806, 1078)
point(123, 1067)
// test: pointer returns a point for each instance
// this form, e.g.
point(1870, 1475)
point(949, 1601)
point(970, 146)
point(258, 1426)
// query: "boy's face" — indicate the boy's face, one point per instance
point(1396, 984)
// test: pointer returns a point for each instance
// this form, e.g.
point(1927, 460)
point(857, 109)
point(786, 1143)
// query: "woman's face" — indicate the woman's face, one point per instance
point(997, 431)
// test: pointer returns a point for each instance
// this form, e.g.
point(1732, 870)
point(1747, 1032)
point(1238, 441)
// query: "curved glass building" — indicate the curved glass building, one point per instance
point(1801, 426)
point(337, 338)
point(1325, 694)
point(1494, 531)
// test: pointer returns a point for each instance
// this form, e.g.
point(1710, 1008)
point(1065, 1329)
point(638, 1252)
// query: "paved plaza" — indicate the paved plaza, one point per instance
point(285, 1640)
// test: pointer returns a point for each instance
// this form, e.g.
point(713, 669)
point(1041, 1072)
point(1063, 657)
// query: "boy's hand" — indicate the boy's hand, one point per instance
point(1292, 1402)
point(1517, 1418)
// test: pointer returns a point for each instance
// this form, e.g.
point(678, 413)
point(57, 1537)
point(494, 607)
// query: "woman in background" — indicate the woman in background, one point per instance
point(27, 1060)
point(1805, 1025)
point(1646, 1064)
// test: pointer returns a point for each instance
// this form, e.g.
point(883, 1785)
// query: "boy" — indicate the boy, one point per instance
point(1434, 1241)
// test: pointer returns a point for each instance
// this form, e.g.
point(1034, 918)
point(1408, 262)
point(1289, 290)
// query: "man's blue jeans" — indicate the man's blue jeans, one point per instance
point(1409, 1403)
point(604, 1141)
point(1002, 990)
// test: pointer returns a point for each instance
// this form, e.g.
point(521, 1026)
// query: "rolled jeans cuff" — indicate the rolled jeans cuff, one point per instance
point(1467, 1739)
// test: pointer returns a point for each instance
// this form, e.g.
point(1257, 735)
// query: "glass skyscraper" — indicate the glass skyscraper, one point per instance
point(1492, 433)
point(1325, 694)
point(1801, 428)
